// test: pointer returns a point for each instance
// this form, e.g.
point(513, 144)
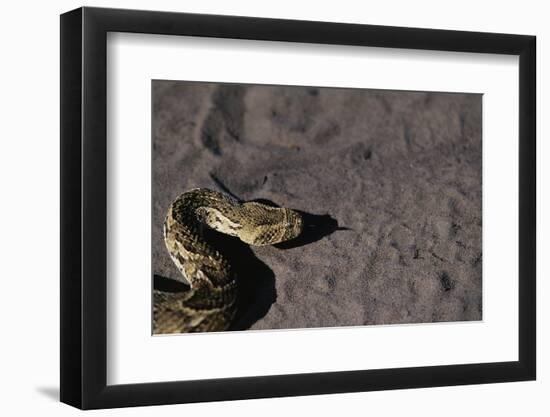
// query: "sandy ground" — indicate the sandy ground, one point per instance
point(399, 173)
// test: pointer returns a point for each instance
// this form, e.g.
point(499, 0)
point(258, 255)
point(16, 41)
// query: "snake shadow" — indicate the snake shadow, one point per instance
point(256, 280)
point(257, 289)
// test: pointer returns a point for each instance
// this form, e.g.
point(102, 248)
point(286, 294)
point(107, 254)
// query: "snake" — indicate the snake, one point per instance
point(210, 303)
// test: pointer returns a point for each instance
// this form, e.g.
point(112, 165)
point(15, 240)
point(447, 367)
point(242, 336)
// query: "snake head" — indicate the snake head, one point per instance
point(293, 225)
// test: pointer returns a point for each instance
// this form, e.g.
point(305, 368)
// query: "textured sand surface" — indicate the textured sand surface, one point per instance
point(400, 170)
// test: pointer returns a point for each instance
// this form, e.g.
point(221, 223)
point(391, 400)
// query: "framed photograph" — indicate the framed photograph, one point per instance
point(258, 208)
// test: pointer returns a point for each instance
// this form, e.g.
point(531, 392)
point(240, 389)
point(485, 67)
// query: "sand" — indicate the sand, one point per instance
point(391, 182)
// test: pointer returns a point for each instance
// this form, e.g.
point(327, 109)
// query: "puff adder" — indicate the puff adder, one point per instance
point(211, 302)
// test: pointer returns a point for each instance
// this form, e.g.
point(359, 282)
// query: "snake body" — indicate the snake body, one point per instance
point(211, 302)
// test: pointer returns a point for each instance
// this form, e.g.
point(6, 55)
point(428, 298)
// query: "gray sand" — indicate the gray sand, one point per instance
point(401, 170)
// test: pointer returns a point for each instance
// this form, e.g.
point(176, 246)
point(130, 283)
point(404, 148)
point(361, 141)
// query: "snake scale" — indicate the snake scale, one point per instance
point(211, 302)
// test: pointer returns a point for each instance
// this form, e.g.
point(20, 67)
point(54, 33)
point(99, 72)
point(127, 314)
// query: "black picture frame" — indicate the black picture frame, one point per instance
point(84, 194)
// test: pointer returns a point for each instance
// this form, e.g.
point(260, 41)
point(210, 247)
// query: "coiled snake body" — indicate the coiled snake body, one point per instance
point(210, 304)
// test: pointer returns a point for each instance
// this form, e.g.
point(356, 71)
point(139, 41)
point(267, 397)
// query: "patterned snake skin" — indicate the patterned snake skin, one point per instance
point(210, 304)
